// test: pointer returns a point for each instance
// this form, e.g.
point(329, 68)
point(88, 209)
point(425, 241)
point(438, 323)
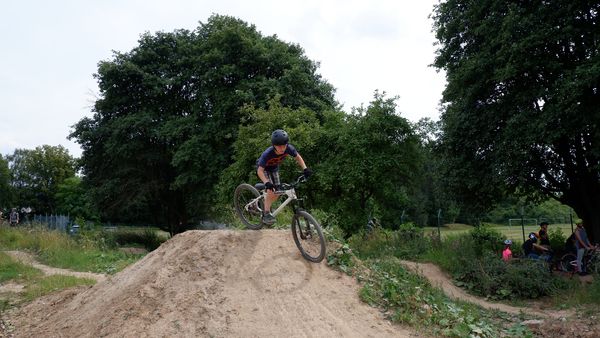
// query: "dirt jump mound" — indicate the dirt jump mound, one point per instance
point(212, 283)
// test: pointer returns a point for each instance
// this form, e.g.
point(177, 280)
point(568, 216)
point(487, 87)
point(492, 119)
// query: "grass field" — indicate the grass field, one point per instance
point(515, 233)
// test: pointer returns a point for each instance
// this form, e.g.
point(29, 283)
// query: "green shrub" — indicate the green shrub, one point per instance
point(406, 242)
point(557, 239)
point(491, 277)
point(486, 239)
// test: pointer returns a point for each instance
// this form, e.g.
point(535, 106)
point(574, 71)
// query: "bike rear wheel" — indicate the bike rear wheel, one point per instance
point(249, 212)
point(568, 263)
point(308, 236)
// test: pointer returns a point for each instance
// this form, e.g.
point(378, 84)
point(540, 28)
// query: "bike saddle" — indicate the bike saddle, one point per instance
point(260, 186)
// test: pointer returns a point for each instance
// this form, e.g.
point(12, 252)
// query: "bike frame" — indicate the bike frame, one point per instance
point(291, 196)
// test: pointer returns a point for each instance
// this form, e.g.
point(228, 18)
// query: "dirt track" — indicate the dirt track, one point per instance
point(212, 283)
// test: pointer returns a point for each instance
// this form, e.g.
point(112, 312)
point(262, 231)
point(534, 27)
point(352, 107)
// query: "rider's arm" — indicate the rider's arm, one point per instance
point(300, 161)
point(581, 242)
point(261, 174)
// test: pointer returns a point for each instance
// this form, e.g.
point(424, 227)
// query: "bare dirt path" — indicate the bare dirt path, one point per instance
point(440, 279)
point(212, 284)
point(27, 258)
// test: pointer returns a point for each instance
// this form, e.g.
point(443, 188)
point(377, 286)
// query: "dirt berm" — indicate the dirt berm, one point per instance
point(212, 284)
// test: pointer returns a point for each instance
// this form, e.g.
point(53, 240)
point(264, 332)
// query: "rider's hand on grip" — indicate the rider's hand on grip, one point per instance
point(269, 186)
point(307, 172)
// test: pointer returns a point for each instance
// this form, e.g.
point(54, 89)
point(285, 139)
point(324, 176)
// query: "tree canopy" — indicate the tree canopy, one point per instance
point(522, 103)
point(36, 175)
point(169, 112)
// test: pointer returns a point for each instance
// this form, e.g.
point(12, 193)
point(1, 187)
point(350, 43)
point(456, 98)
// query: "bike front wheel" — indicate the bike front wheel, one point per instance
point(568, 262)
point(308, 236)
point(249, 205)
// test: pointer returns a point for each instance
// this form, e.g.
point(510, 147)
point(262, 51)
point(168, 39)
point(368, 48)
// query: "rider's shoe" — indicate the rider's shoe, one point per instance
point(268, 219)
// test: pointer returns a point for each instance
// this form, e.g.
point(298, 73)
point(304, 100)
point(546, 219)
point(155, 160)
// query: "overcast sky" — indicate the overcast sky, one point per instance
point(50, 51)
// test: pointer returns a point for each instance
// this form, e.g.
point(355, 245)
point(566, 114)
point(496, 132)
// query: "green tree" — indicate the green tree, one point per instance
point(301, 124)
point(5, 186)
point(431, 193)
point(522, 100)
point(368, 164)
point(169, 112)
point(36, 175)
point(72, 199)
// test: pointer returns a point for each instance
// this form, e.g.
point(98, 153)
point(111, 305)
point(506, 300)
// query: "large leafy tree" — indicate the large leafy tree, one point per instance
point(72, 199)
point(522, 100)
point(36, 175)
point(5, 187)
point(368, 164)
point(169, 112)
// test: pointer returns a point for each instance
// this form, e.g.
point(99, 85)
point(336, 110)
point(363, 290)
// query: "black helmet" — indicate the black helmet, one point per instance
point(279, 137)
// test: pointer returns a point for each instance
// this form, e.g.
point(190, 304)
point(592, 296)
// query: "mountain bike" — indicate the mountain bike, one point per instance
point(307, 232)
point(590, 261)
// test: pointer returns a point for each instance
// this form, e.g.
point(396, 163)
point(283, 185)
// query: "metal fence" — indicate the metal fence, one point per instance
point(54, 222)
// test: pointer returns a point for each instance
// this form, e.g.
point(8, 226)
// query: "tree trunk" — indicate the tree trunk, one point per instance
point(585, 200)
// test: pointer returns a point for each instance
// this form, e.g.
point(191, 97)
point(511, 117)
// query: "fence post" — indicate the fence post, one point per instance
point(523, 223)
point(571, 219)
point(438, 223)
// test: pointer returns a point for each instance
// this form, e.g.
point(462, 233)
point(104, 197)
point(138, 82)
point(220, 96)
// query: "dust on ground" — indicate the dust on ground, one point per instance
point(212, 283)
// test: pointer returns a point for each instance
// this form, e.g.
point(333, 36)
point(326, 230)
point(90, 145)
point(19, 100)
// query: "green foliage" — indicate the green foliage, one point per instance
point(54, 283)
point(522, 101)
point(37, 174)
point(301, 124)
point(5, 187)
point(371, 163)
point(73, 200)
point(59, 250)
point(12, 270)
point(491, 277)
point(341, 258)
point(169, 113)
point(485, 239)
point(410, 299)
point(519, 331)
point(149, 239)
point(407, 242)
point(557, 239)
point(548, 210)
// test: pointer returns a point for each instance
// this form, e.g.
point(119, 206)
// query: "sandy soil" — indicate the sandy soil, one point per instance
point(212, 284)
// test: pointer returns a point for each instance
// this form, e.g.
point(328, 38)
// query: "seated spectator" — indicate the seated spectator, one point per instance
point(543, 235)
point(535, 251)
point(506, 253)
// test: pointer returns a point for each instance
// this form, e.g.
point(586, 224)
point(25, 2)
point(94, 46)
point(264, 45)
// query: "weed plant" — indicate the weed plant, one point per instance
point(410, 299)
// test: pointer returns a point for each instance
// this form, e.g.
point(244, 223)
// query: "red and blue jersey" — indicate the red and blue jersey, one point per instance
point(271, 161)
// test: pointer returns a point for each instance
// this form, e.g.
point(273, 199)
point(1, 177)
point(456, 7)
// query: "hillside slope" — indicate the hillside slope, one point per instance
point(212, 283)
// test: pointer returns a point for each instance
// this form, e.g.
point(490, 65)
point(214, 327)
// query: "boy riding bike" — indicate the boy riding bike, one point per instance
point(268, 168)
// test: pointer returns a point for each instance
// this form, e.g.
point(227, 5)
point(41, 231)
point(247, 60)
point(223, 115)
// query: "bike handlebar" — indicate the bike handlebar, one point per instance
point(301, 179)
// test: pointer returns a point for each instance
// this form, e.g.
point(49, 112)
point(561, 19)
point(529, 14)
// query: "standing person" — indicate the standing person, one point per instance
point(13, 217)
point(581, 244)
point(268, 168)
point(506, 253)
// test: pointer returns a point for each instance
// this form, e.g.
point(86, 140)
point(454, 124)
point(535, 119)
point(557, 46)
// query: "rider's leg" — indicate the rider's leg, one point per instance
point(271, 197)
point(580, 253)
